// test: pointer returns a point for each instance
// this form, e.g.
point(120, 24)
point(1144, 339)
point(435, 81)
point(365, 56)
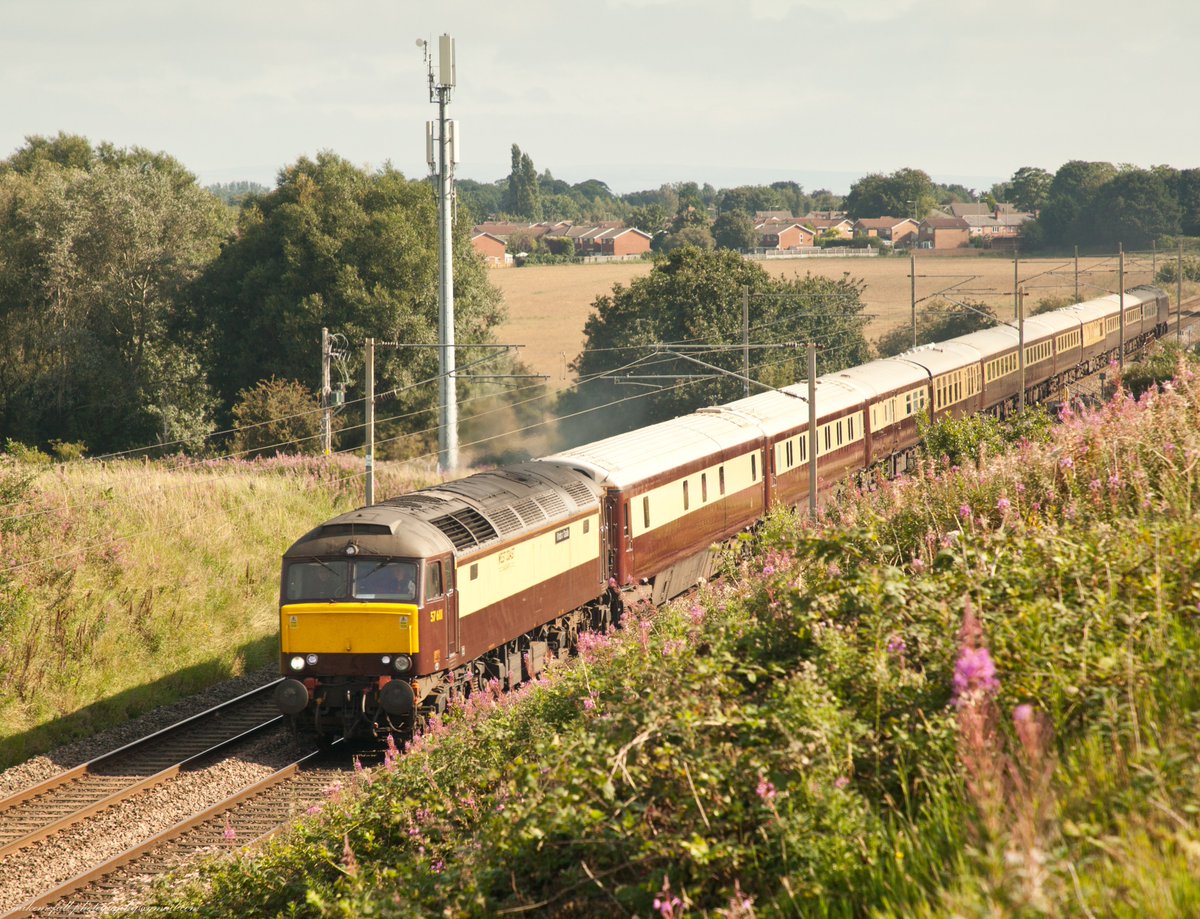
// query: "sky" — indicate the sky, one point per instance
point(635, 93)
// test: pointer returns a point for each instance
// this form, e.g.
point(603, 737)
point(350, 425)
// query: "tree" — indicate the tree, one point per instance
point(1029, 188)
point(524, 196)
point(335, 245)
point(693, 235)
point(1063, 217)
point(734, 230)
point(903, 193)
point(937, 321)
point(278, 416)
point(1188, 194)
point(695, 296)
point(97, 247)
point(1135, 207)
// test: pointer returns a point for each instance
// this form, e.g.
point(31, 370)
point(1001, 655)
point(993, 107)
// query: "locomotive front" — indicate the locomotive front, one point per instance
point(351, 595)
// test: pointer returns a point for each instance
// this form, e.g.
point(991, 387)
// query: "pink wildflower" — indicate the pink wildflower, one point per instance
point(974, 672)
point(841, 781)
point(964, 511)
point(1003, 505)
point(668, 905)
point(765, 790)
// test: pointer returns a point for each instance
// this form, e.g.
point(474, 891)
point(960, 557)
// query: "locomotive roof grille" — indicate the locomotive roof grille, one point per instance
point(529, 511)
point(551, 502)
point(416, 501)
point(465, 528)
point(505, 520)
point(579, 492)
point(356, 529)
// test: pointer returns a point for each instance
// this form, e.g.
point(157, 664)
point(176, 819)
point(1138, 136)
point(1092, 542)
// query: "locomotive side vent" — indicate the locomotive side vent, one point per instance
point(356, 529)
point(465, 528)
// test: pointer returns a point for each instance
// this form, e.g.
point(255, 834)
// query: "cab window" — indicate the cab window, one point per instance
point(433, 580)
point(317, 580)
point(383, 579)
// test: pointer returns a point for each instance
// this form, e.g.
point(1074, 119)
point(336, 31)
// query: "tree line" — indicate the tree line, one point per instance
point(136, 308)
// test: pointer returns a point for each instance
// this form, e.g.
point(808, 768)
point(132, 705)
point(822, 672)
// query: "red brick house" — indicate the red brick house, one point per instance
point(784, 235)
point(622, 241)
point(840, 226)
point(894, 231)
point(944, 233)
point(493, 249)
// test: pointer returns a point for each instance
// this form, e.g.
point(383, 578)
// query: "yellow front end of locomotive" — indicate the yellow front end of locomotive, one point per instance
point(348, 628)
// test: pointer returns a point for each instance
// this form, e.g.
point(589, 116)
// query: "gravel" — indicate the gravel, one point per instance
point(30, 872)
point(43, 767)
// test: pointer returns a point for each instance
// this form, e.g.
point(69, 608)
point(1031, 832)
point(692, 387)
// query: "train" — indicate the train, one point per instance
point(390, 613)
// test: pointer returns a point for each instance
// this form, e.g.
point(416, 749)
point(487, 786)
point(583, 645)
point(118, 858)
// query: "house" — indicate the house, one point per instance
point(618, 241)
point(493, 249)
point(894, 231)
point(784, 235)
point(989, 226)
point(943, 233)
point(761, 216)
point(840, 227)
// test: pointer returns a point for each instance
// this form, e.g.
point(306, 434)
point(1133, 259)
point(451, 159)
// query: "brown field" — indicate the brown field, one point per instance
point(548, 304)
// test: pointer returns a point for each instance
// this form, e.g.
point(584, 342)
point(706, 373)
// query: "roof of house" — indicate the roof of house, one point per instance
point(945, 223)
point(882, 223)
point(965, 208)
point(824, 223)
point(614, 232)
point(773, 215)
point(476, 235)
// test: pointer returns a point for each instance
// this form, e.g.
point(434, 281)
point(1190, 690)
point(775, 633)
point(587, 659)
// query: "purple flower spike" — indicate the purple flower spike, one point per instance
point(974, 672)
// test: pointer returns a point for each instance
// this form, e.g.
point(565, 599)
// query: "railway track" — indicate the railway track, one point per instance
point(78, 818)
point(245, 818)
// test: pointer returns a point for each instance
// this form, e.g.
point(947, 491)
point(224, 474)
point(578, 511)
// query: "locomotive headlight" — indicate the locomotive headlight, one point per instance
point(387, 659)
point(312, 659)
point(297, 662)
point(403, 663)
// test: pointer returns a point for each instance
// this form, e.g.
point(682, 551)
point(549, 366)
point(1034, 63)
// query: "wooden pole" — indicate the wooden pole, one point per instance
point(812, 430)
point(370, 451)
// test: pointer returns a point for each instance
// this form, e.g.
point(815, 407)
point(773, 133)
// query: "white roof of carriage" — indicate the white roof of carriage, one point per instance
point(626, 459)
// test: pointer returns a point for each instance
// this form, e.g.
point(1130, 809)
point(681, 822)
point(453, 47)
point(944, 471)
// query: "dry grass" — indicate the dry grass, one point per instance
point(548, 305)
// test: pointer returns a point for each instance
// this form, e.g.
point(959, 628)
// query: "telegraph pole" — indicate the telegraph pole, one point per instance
point(1021, 347)
point(326, 396)
point(912, 290)
point(1076, 274)
point(1179, 295)
point(813, 443)
point(370, 421)
point(746, 338)
point(1121, 285)
point(442, 136)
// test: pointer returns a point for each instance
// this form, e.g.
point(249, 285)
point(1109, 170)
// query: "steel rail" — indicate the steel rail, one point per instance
point(91, 876)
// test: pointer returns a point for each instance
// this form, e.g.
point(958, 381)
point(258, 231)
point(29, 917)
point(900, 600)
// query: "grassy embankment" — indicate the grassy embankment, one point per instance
point(972, 692)
point(127, 585)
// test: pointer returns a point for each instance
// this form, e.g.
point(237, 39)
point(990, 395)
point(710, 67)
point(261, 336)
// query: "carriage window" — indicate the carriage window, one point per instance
point(685, 494)
point(646, 512)
point(721, 479)
point(587, 525)
point(474, 571)
point(703, 487)
point(433, 580)
point(754, 467)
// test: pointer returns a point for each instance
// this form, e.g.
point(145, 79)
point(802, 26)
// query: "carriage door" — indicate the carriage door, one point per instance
point(441, 612)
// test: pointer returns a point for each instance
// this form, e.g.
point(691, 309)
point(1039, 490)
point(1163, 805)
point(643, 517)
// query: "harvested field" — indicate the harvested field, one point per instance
point(548, 305)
